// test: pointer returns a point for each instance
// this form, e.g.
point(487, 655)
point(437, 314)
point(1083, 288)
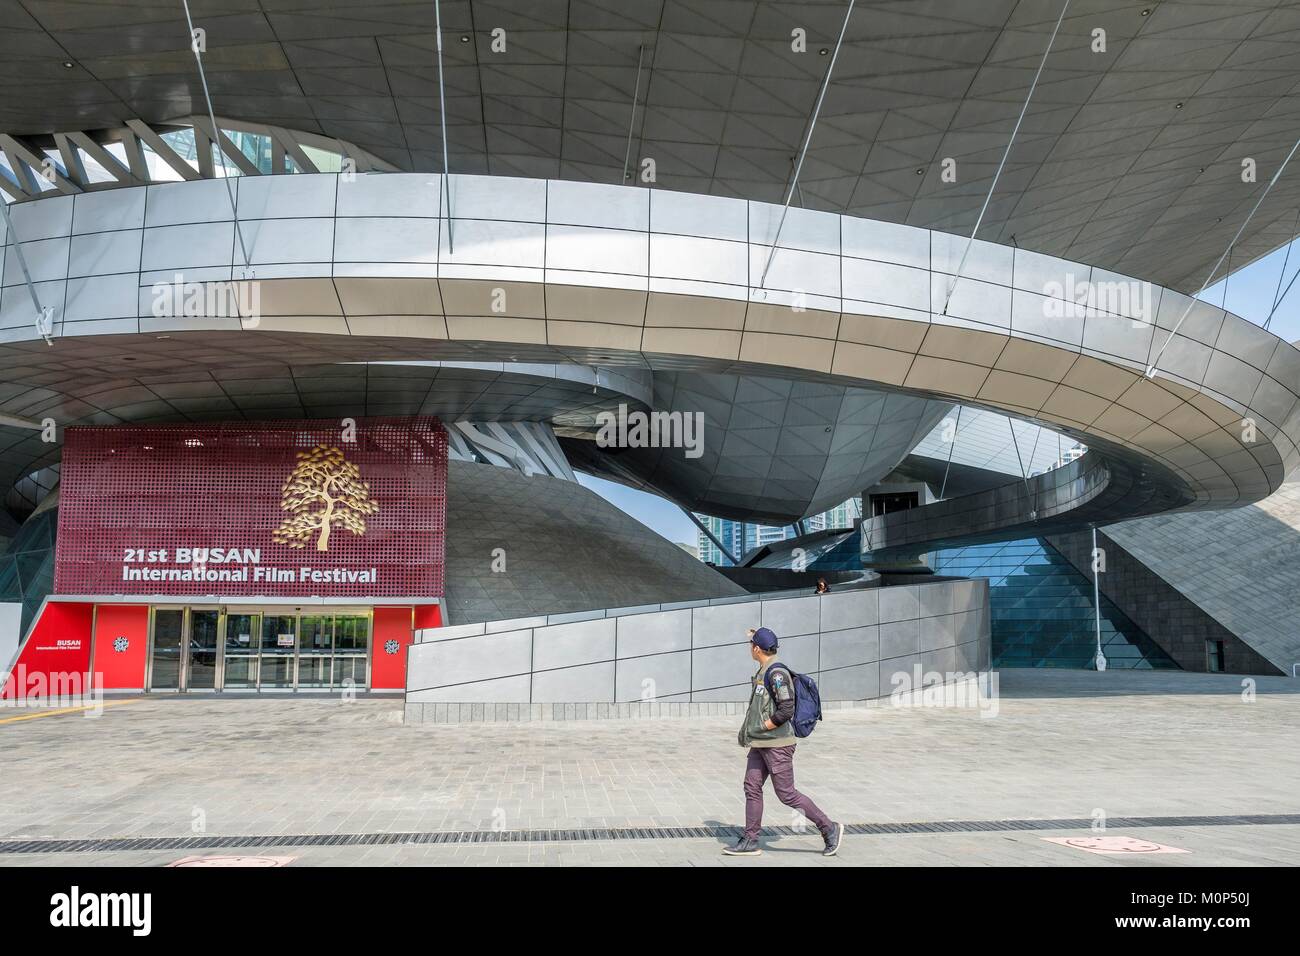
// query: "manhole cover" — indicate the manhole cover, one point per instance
point(1114, 845)
point(234, 861)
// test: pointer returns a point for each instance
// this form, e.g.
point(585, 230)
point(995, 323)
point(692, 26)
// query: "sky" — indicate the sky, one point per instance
point(1250, 293)
point(658, 514)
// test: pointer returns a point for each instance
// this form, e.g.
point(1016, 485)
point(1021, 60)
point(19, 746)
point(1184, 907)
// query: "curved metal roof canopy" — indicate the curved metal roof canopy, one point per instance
point(360, 269)
point(1130, 158)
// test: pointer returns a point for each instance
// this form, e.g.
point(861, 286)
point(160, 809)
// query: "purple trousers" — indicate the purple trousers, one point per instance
point(777, 763)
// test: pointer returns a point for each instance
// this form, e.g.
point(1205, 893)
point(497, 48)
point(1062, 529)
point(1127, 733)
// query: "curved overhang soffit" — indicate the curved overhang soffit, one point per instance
point(402, 266)
point(200, 383)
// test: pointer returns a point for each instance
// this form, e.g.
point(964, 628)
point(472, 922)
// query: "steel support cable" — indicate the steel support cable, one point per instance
point(1033, 510)
point(1034, 451)
point(952, 447)
point(631, 123)
point(1277, 299)
point(1151, 369)
point(1005, 153)
point(442, 109)
point(812, 125)
point(1281, 299)
point(1227, 277)
point(216, 136)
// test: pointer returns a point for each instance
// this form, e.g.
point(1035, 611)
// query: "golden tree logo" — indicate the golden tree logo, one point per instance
point(323, 490)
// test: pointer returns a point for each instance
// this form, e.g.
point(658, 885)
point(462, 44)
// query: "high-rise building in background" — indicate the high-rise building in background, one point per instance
point(742, 536)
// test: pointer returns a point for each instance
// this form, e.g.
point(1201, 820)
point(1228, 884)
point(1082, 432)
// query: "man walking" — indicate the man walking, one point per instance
point(769, 735)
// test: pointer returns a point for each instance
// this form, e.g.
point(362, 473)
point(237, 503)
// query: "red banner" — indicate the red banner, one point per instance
point(269, 509)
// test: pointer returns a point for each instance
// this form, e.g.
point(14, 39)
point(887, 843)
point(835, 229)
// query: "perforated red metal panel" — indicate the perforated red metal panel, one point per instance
point(304, 510)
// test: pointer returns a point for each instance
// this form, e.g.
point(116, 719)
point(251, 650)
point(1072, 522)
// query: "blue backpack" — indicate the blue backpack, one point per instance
point(807, 700)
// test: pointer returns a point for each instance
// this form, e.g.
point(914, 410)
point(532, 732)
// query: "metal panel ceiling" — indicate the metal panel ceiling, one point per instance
point(1129, 159)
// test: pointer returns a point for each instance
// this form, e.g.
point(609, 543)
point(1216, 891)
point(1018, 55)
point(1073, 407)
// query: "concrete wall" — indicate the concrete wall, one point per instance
point(852, 642)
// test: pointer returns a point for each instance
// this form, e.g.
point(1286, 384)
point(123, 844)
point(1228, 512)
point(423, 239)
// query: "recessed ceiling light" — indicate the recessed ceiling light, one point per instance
point(68, 64)
point(1146, 12)
point(823, 51)
point(1178, 106)
point(464, 38)
point(920, 171)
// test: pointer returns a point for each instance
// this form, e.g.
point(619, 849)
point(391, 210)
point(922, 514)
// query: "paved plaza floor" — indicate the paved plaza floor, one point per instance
point(1061, 747)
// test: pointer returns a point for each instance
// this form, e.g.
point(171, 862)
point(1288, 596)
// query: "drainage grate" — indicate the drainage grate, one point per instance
point(117, 844)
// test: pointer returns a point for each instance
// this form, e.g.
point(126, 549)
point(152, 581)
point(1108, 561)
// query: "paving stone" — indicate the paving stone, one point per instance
point(1060, 746)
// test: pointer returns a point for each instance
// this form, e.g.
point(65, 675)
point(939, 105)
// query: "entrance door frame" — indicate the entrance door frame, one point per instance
point(187, 635)
point(262, 610)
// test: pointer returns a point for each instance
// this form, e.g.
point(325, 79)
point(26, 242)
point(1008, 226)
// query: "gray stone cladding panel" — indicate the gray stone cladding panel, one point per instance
point(700, 655)
point(567, 645)
point(660, 676)
point(724, 624)
point(469, 659)
point(590, 682)
point(850, 609)
point(792, 616)
point(733, 692)
point(654, 633)
point(856, 682)
point(901, 672)
point(852, 646)
point(934, 600)
point(899, 638)
point(802, 654)
point(721, 666)
point(937, 632)
point(504, 689)
point(898, 603)
point(942, 660)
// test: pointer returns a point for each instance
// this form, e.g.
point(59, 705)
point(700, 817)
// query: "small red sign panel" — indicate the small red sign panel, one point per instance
point(255, 509)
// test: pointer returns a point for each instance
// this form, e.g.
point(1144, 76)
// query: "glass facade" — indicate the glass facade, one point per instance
point(1042, 610)
point(198, 648)
point(1040, 604)
point(27, 565)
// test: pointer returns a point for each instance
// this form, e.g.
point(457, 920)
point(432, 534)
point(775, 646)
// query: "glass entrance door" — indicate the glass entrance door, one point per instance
point(204, 650)
point(279, 647)
point(351, 643)
point(207, 648)
point(243, 635)
point(166, 657)
point(315, 647)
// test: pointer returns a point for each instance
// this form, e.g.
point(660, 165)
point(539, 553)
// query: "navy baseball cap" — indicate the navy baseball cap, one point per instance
point(765, 638)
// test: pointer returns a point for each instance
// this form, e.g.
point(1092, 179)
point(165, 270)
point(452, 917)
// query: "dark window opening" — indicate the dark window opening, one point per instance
point(889, 503)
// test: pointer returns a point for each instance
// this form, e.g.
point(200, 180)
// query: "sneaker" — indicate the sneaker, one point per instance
point(833, 839)
point(743, 847)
